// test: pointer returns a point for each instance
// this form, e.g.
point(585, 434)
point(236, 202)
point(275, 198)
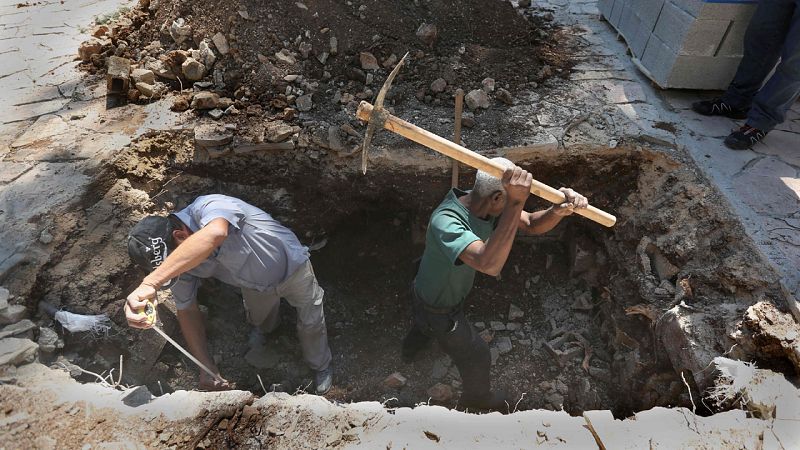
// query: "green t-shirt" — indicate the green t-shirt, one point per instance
point(443, 280)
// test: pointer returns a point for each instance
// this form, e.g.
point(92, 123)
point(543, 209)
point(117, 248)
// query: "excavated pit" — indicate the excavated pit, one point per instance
point(600, 330)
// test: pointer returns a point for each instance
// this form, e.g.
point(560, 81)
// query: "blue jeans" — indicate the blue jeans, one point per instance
point(773, 33)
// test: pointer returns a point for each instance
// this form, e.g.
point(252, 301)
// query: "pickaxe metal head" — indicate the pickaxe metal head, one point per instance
point(379, 115)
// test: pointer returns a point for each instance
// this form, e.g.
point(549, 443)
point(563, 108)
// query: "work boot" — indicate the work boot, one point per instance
point(493, 401)
point(717, 107)
point(324, 380)
point(744, 138)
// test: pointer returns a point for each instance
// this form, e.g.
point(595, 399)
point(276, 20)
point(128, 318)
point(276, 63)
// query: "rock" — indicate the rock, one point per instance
point(494, 354)
point(4, 295)
point(221, 43)
point(216, 113)
point(207, 56)
point(334, 44)
point(335, 139)
point(468, 122)
point(208, 135)
point(440, 393)
point(438, 85)
point(395, 381)
point(12, 314)
point(503, 344)
point(389, 62)
point(179, 31)
point(88, 48)
point(143, 76)
point(488, 84)
point(205, 100)
point(305, 49)
point(262, 357)
point(137, 396)
point(368, 61)
point(278, 131)
point(118, 75)
point(16, 351)
point(497, 326)
point(193, 69)
point(514, 313)
point(477, 99)
point(504, 96)
point(355, 74)
point(512, 326)
point(249, 411)
point(161, 69)
point(524, 3)
point(286, 56)
point(180, 104)
point(555, 399)
point(22, 329)
point(480, 325)
point(487, 335)
point(150, 90)
point(427, 33)
point(304, 103)
point(322, 58)
point(49, 341)
point(438, 370)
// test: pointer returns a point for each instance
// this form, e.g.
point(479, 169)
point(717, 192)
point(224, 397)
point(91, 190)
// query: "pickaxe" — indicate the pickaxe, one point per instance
point(378, 118)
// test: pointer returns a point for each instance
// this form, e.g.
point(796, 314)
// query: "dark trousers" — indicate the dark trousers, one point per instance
point(458, 338)
point(773, 34)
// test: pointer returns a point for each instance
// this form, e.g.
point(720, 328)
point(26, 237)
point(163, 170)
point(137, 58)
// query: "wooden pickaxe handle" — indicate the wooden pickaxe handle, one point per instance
point(477, 161)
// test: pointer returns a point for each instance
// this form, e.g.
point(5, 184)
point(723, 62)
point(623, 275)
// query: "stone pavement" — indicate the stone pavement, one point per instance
point(762, 184)
point(54, 126)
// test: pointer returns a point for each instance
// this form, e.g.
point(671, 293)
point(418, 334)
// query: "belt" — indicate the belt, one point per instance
point(432, 309)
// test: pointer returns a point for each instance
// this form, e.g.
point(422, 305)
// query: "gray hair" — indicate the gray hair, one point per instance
point(485, 184)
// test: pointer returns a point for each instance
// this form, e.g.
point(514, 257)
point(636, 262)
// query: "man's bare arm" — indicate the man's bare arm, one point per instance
point(541, 222)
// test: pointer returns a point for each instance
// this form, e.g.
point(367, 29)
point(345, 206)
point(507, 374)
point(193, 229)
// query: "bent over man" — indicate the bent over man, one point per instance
point(468, 232)
point(225, 238)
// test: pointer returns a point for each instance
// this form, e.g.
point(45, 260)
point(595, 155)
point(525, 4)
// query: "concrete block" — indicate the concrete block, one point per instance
point(703, 10)
point(733, 43)
point(648, 11)
point(658, 60)
point(703, 72)
point(628, 23)
point(118, 75)
point(605, 7)
point(616, 12)
point(689, 36)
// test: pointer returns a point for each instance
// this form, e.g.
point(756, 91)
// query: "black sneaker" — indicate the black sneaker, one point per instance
point(717, 107)
point(494, 401)
point(744, 138)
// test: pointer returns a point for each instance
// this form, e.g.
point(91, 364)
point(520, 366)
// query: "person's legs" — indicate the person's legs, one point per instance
point(414, 341)
point(763, 40)
point(262, 308)
point(303, 292)
point(470, 354)
point(782, 89)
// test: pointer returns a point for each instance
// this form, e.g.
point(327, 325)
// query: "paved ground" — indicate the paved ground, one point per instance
point(762, 185)
point(54, 126)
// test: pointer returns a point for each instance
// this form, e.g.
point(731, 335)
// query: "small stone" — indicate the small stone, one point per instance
point(179, 31)
point(147, 90)
point(438, 85)
point(390, 61)
point(22, 329)
point(477, 99)
point(504, 96)
point(286, 57)
point(438, 370)
point(488, 84)
point(144, 76)
point(304, 103)
point(427, 33)
point(4, 295)
point(305, 49)
point(88, 48)
point(440, 393)
point(468, 122)
point(555, 399)
point(205, 100)
point(487, 335)
point(221, 43)
point(12, 314)
point(137, 396)
point(334, 43)
point(208, 135)
point(497, 326)
point(207, 56)
point(524, 3)
point(515, 313)
point(395, 381)
point(216, 113)
point(480, 325)
point(45, 237)
point(494, 354)
point(368, 61)
point(15, 351)
point(193, 69)
point(512, 326)
point(526, 342)
point(180, 104)
point(335, 139)
point(503, 344)
point(278, 131)
point(49, 341)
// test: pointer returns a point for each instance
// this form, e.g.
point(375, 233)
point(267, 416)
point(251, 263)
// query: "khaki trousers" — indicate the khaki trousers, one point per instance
point(303, 292)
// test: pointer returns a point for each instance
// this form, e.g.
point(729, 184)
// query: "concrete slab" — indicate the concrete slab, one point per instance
point(782, 144)
point(769, 187)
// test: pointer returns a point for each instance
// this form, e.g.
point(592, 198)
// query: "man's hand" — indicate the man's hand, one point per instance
point(517, 183)
point(574, 201)
point(209, 383)
point(135, 304)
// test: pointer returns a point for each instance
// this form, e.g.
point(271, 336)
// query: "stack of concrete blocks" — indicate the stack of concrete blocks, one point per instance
point(689, 44)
